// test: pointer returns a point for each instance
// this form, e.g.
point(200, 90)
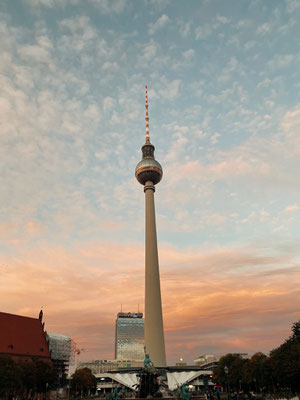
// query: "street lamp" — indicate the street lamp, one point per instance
point(255, 384)
point(226, 370)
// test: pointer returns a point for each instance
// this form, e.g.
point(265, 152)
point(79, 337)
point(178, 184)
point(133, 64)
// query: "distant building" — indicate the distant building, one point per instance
point(23, 338)
point(103, 366)
point(207, 362)
point(244, 356)
point(204, 358)
point(129, 336)
point(62, 349)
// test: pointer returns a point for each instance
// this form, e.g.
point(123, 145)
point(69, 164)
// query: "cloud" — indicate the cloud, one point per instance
point(33, 227)
point(290, 123)
point(226, 288)
point(189, 54)
point(204, 31)
point(159, 24)
point(184, 28)
point(264, 29)
point(222, 19)
point(228, 69)
point(215, 138)
point(291, 208)
point(159, 4)
point(292, 5)
point(108, 103)
point(44, 3)
point(169, 90)
point(281, 61)
point(151, 53)
point(264, 83)
point(110, 7)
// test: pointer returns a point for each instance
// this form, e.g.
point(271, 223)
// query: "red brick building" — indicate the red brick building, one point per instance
point(23, 338)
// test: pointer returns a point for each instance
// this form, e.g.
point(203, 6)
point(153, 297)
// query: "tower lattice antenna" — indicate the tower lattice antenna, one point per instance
point(147, 115)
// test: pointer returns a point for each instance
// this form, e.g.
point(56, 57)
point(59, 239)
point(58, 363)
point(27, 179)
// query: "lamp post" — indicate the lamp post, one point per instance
point(255, 384)
point(226, 370)
point(68, 393)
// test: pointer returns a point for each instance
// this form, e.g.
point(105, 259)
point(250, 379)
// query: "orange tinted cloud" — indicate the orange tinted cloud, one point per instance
point(214, 301)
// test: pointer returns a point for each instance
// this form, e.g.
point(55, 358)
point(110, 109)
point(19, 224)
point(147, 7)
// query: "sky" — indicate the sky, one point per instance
point(224, 107)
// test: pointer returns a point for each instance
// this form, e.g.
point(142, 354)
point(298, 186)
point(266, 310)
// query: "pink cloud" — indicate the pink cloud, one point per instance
point(214, 300)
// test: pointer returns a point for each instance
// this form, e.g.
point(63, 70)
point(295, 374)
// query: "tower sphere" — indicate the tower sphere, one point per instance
point(148, 169)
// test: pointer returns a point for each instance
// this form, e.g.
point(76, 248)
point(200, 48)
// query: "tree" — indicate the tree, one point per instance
point(10, 376)
point(296, 332)
point(233, 378)
point(285, 361)
point(28, 375)
point(35, 374)
point(45, 376)
point(257, 372)
point(281, 369)
point(83, 381)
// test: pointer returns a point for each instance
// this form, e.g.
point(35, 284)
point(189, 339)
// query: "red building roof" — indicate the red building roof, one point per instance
point(22, 336)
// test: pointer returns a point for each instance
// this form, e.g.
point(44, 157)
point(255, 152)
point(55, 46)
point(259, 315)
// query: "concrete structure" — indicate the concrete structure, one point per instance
point(23, 338)
point(149, 172)
point(104, 366)
point(129, 337)
point(171, 379)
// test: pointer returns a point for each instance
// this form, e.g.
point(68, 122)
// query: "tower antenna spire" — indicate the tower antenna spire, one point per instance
point(147, 115)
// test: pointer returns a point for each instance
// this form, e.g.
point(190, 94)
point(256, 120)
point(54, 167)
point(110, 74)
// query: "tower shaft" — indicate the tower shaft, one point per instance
point(154, 333)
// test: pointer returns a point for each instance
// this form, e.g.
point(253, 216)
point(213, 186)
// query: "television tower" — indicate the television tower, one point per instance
point(149, 172)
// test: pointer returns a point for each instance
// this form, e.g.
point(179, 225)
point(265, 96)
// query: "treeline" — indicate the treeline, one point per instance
point(280, 371)
point(25, 379)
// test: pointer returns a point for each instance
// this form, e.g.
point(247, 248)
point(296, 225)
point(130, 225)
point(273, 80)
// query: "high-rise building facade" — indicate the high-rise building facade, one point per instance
point(129, 342)
point(149, 172)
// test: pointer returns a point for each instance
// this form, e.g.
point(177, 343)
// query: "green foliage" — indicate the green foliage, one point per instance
point(28, 374)
point(83, 381)
point(258, 370)
point(285, 361)
point(280, 370)
point(31, 375)
point(10, 375)
point(44, 375)
point(296, 332)
point(235, 365)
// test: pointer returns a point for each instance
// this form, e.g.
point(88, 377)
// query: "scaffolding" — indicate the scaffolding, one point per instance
point(62, 350)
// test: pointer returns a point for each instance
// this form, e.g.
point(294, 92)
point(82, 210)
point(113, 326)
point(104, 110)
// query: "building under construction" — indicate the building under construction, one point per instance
point(62, 350)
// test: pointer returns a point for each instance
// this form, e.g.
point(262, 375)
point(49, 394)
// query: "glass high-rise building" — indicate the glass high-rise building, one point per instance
point(129, 342)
